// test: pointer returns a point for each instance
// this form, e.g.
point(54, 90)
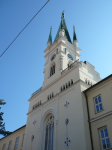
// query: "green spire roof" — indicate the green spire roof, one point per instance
point(74, 34)
point(50, 35)
point(64, 27)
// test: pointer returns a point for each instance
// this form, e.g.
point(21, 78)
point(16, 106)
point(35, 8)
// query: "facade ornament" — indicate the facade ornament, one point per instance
point(67, 142)
point(32, 137)
point(66, 121)
point(34, 122)
point(66, 104)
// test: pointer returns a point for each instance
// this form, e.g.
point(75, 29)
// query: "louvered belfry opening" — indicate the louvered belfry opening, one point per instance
point(52, 70)
point(49, 135)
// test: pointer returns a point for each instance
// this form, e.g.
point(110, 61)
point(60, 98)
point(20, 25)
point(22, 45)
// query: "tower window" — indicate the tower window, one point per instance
point(57, 51)
point(70, 57)
point(52, 70)
point(64, 50)
point(53, 57)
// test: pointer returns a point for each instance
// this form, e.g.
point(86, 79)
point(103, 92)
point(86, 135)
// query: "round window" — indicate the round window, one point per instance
point(53, 57)
point(70, 57)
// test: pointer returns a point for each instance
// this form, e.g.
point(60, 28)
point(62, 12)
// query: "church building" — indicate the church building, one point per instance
point(59, 115)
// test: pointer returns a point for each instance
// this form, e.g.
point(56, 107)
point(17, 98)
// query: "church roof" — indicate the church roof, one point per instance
point(63, 26)
point(50, 35)
point(74, 34)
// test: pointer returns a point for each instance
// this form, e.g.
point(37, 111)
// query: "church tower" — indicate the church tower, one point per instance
point(57, 117)
point(60, 54)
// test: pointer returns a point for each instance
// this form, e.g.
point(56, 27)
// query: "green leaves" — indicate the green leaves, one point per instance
point(2, 125)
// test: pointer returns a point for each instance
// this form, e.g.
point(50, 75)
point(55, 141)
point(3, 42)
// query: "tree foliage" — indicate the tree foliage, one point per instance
point(2, 124)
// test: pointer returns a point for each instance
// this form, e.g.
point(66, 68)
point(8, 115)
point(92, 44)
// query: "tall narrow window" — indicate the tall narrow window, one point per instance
point(49, 136)
point(52, 70)
point(57, 51)
point(23, 139)
point(16, 144)
point(64, 50)
point(98, 103)
point(105, 139)
point(71, 82)
point(10, 143)
point(4, 147)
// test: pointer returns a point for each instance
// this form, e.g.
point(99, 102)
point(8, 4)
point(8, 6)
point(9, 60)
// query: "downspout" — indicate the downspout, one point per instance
point(89, 121)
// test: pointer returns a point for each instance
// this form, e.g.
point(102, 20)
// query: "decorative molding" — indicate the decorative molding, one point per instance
point(100, 117)
point(99, 87)
point(34, 122)
point(32, 137)
point(66, 104)
point(67, 142)
point(66, 121)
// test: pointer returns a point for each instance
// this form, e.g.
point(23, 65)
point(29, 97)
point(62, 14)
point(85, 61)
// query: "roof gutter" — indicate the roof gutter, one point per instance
point(89, 121)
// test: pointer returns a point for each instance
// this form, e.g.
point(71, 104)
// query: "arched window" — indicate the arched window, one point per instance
point(52, 94)
point(71, 82)
point(66, 85)
point(70, 57)
point(63, 87)
point(52, 70)
point(49, 135)
point(40, 102)
point(48, 97)
point(53, 57)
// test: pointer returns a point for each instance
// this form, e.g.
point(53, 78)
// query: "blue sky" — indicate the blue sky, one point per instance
point(21, 67)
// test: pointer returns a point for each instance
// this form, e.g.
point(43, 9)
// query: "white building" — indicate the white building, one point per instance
point(57, 117)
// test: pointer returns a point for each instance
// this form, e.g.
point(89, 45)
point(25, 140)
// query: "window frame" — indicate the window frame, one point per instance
point(10, 145)
point(44, 130)
point(98, 103)
point(102, 128)
point(52, 69)
point(3, 146)
point(69, 57)
point(53, 57)
point(16, 143)
point(22, 140)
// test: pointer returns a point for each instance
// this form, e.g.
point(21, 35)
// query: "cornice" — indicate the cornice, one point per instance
point(13, 134)
point(100, 117)
point(52, 99)
point(98, 87)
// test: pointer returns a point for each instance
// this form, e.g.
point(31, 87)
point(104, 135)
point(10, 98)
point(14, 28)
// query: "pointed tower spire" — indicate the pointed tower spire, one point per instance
point(74, 34)
point(63, 27)
point(75, 42)
point(49, 42)
point(50, 35)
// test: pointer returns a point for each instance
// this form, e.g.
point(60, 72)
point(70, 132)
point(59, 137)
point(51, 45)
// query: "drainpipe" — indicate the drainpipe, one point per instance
point(89, 121)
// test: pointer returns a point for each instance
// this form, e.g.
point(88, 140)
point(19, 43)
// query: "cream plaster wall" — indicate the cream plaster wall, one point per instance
point(96, 126)
point(12, 138)
point(106, 96)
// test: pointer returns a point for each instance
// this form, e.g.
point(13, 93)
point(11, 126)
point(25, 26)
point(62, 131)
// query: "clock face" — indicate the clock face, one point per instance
point(70, 57)
point(53, 57)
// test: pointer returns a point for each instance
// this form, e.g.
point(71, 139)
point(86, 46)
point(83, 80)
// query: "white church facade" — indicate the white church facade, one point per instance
point(58, 116)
